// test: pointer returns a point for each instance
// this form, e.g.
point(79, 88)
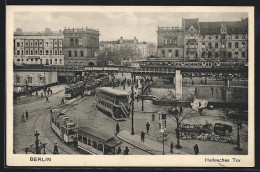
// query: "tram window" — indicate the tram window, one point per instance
point(85, 140)
point(89, 142)
point(80, 137)
point(100, 147)
point(71, 132)
point(94, 144)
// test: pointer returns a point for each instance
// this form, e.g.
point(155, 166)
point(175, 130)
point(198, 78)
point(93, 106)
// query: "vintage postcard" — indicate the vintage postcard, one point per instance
point(130, 86)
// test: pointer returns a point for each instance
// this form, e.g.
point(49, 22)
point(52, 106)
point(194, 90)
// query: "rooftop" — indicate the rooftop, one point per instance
point(188, 22)
point(113, 91)
point(47, 32)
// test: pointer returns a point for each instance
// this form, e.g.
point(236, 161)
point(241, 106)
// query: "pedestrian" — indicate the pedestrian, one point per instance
point(47, 99)
point(142, 136)
point(48, 92)
point(181, 109)
point(36, 93)
point(43, 148)
point(171, 146)
point(23, 118)
point(26, 114)
point(119, 150)
point(55, 151)
point(62, 100)
point(196, 149)
point(51, 91)
point(153, 116)
point(26, 150)
point(126, 151)
point(124, 87)
point(147, 127)
point(117, 128)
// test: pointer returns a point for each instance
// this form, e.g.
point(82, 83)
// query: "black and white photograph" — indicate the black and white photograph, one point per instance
point(173, 84)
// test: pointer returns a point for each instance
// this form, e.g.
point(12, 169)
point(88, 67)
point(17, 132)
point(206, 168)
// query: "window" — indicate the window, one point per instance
point(230, 55)
point(18, 52)
point(31, 52)
point(94, 144)
point(41, 44)
point(56, 52)
point(191, 29)
point(236, 54)
point(22, 52)
point(18, 44)
point(36, 44)
point(223, 45)
point(55, 61)
point(100, 147)
point(176, 53)
point(85, 140)
point(17, 79)
point(18, 60)
point(47, 61)
point(46, 52)
point(26, 44)
point(170, 53)
point(229, 45)
point(50, 61)
point(27, 52)
point(170, 41)
point(50, 52)
point(36, 52)
point(223, 37)
point(243, 54)
point(243, 36)
point(216, 54)
point(46, 44)
point(22, 44)
point(163, 53)
point(40, 52)
point(71, 41)
point(210, 45)
point(89, 142)
point(80, 137)
point(69, 53)
point(203, 54)
point(81, 54)
point(76, 54)
point(76, 41)
point(209, 54)
point(210, 37)
point(216, 45)
point(36, 60)
point(237, 37)
point(60, 61)
point(31, 44)
point(165, 41)
point(60, 52)
point(60, 43)
point(203, 45)
point(243, 44)
point(29, 80)
point(216, 37)
point(236, 44)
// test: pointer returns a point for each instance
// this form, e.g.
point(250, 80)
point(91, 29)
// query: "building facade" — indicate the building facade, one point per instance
point(170, 42)
point(38, 47)
point(204, 40)
point(80, 46)
point(128, 48)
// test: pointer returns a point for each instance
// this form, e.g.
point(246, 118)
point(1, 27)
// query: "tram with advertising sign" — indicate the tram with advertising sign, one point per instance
point(74, 90)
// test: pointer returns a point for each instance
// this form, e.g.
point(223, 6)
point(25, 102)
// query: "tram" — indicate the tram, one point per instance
point(74, 90)
point(113, 103)
point(63, 126)
point(96, 142)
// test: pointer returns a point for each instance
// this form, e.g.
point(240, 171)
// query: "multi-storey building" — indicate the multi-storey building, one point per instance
point(204, 40)
point(223, 40)
point(170, 42)
point(38, 47)
point(122, 47)
point(191, 35)
point(80, 46)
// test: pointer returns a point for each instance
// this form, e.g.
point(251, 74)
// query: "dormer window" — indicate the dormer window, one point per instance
point(191, 28)
point(223, 29)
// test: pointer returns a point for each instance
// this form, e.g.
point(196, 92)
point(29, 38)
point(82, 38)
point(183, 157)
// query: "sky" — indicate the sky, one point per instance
point(113, 25)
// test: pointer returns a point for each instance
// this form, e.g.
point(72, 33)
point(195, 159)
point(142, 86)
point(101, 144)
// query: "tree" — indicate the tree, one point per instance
point(238, 121)
point(178, 117)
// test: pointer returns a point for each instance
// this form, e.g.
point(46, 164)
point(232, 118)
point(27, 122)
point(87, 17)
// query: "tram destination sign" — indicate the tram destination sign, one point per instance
point(101, 68)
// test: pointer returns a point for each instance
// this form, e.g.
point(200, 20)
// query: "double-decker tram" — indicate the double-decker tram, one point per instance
point(63, 126)
point(114, 103)
point(96, 142)
point(74, 90)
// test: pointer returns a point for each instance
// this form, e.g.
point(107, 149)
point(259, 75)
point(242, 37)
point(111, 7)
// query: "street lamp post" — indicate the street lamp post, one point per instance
point(132, 95)
point(163, 142)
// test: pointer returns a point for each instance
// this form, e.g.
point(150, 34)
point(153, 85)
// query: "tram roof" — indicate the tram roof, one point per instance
point(99, 136)
point(113, 91)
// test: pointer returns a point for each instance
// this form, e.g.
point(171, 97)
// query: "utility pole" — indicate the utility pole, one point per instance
point(163, 142)
point(132, 95)
point(142, 96)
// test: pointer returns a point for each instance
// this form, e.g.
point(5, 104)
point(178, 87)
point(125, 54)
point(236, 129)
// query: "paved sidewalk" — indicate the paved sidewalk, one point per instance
point(149, 145)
